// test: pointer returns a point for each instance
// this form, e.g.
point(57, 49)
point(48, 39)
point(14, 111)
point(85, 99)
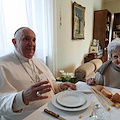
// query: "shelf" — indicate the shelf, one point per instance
point(106, 40)
point(116, 30)
point(116, 22)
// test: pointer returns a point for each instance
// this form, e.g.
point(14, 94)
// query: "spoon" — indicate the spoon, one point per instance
point(96, 106)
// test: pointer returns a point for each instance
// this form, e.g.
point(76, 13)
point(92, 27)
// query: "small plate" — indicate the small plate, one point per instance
point(84, 106)
point(70, 99)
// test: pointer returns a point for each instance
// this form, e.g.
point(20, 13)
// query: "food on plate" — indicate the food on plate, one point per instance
point(116, 97)
point(99, 87)
point(106, 93)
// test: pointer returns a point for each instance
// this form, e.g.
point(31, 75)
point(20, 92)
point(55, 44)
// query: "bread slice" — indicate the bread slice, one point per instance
point(99, 87)
point(106, 93)
point(116, 97)
point(117, 104)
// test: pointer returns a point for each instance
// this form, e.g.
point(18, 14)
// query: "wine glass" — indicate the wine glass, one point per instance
point(99, 112)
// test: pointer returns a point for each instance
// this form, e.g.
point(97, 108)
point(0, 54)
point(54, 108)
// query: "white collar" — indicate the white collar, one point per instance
point(21, 56)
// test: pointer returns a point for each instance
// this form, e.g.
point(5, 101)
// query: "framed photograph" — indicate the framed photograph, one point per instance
point(78, 21)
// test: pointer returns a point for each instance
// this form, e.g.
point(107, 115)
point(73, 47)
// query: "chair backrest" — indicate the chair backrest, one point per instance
point(84, 70)
point(88, 69)
point(97, 63)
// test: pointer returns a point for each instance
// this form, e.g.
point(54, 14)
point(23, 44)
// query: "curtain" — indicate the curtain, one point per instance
point(36, 14)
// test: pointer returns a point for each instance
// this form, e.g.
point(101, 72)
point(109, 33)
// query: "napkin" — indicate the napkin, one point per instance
point(83, 87)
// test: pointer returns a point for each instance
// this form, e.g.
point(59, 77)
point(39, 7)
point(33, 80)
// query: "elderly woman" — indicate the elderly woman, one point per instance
point(109, 73)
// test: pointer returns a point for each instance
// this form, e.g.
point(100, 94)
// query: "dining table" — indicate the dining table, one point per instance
point(81, 114)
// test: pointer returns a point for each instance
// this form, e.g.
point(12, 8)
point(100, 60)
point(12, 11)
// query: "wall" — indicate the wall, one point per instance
point(112, 6)
point(70, 53)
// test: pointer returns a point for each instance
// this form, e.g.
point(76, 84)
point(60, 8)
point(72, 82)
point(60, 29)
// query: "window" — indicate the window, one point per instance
point(36, 14)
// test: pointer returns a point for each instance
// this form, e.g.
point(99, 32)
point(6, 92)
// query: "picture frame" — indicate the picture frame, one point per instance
point(78, 21)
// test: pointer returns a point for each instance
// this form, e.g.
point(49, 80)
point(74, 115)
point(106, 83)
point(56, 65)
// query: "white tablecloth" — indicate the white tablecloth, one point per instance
point(81, 86)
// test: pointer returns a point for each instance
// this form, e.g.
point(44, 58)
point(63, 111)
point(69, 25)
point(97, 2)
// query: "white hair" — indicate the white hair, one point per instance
point(113, 46)
point(19, 30)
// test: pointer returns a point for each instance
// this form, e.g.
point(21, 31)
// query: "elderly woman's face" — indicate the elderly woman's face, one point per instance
point(116, 58)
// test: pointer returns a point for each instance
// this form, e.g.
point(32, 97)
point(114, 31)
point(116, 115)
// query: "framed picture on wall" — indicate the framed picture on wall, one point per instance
point(78, 21)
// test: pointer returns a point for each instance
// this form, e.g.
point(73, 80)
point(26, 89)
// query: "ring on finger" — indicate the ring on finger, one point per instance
point(38, 93)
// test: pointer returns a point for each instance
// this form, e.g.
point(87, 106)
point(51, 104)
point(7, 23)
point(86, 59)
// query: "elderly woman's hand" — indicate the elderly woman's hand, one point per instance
point(30, 94)
point(66, 85)
point(91, 81)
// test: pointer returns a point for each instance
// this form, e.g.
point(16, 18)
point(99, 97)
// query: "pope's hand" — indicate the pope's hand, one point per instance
point(30, 94)
point(66, 85)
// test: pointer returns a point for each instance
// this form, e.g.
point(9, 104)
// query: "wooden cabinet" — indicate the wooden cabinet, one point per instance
point(101, 29)
point(116, 25)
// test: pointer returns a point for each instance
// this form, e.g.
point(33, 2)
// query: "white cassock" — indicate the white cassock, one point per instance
point(14, 79)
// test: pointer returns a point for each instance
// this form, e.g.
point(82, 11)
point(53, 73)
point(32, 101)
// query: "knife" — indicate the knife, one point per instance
point(54, 114)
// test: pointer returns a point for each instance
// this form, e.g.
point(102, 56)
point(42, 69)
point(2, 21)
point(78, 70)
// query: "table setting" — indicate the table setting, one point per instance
point(71, 101)
point(77, 104)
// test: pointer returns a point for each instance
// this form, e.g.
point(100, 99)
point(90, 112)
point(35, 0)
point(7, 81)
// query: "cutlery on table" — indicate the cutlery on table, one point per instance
point(54, 114)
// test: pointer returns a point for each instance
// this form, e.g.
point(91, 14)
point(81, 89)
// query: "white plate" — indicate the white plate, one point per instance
point(84, 106)
point(70, 99)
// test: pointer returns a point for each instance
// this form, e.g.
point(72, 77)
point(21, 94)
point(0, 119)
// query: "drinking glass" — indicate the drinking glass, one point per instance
point(100, 113)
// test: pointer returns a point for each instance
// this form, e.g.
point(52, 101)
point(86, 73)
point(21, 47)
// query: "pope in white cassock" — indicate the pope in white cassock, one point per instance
point(25, 82)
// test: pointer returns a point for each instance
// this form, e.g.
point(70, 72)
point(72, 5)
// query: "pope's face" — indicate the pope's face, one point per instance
point(116, 58)
point(25, 42)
